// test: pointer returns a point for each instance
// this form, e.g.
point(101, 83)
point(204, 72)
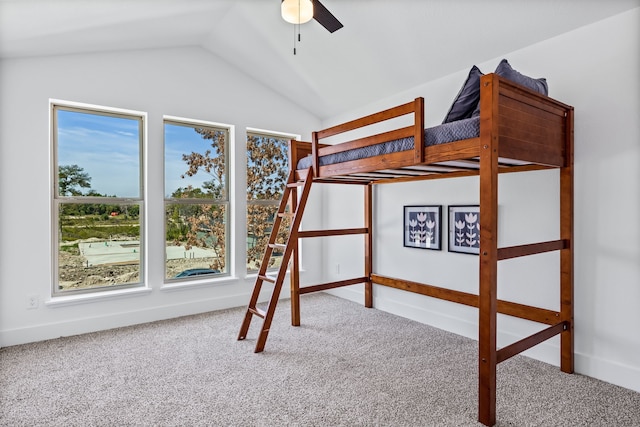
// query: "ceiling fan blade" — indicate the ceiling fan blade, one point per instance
point(325, 18)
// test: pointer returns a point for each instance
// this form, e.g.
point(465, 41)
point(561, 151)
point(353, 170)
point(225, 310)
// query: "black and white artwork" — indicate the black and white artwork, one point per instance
point(422, 227)
point(464, 229)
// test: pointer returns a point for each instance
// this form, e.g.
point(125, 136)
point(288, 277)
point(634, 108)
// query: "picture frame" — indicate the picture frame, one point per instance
point(422, 227)
point(464, 229)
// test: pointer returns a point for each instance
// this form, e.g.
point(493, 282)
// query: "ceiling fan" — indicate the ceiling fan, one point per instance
point(301, 11)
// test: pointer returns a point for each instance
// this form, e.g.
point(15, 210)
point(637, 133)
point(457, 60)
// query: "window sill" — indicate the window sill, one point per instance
point(184, 285)
point(95, 296)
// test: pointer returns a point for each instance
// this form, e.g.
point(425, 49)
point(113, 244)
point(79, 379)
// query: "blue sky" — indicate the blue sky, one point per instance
point(106, 147)
point(181, 140)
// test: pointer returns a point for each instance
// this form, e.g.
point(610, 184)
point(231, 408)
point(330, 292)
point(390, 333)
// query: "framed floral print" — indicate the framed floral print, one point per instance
point(422, 227)
point(464, 229)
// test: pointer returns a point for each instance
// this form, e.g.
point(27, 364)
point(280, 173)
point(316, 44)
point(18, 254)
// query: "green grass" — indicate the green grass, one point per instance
point(105, 232)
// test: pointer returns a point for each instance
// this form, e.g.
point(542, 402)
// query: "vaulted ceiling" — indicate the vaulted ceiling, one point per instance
point(386, 46)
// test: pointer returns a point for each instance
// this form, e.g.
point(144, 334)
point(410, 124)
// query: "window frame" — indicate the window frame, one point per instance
point(57, 200)
point(226, 202)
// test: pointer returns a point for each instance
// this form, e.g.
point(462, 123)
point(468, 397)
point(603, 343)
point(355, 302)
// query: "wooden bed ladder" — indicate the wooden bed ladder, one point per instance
point(289, 198)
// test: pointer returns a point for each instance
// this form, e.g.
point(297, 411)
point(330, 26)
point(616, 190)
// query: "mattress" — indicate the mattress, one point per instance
point(441, 134)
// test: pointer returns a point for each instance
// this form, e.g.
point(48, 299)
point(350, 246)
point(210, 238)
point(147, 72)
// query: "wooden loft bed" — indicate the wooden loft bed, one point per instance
point(519, 131)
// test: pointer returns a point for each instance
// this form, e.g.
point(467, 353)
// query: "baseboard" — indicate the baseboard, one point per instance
point(608, 371)
point(548, 352)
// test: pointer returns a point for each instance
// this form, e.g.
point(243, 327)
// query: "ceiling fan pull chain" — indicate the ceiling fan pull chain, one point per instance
point(294, 49)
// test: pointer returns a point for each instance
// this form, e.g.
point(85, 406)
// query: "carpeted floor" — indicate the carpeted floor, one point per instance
point(345, 366)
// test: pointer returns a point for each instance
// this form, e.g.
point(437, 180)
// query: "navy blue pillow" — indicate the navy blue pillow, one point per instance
point(538, 85)
point(467, 99)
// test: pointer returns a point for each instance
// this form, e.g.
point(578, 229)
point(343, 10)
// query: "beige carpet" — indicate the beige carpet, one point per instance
point(346, 366)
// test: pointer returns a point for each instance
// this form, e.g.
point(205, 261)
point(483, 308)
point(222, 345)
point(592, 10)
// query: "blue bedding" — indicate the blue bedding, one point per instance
point(441, 134)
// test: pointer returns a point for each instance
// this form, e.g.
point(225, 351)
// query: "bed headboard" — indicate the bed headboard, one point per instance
point(525, 120)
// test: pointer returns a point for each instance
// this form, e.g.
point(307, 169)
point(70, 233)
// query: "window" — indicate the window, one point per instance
point(196, 199)
point(97, 199)
point(267, 171)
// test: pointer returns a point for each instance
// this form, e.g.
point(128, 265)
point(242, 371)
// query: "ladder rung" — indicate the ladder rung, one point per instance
point(268, 278)
point(286, 214)
point(277, 246)
point(258, 312)
point(295, 184)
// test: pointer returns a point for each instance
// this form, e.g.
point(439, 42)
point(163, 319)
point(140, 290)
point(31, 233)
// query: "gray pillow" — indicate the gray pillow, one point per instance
point(538, 85)
point(504, 70)
point(467, 99)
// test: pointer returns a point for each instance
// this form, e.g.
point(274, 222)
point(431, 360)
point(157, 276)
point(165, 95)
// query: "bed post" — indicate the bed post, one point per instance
point(314, 154)
point(294, 277)
point(293, 154)
point(418, 130)
point(368, 247)
point(566, 254)
point(487, 319)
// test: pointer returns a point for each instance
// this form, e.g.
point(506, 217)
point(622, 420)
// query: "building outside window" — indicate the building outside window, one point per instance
point(98, 198)
point(267, 172)
point(196, 199)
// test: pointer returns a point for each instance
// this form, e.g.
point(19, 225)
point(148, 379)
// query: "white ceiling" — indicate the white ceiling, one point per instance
point(385, 46)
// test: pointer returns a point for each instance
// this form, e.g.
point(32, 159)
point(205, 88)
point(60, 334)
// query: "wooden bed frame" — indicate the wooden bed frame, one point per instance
point(520, 131)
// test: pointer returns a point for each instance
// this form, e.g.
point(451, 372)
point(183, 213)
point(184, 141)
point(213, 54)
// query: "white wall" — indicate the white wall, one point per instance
point(188, 83)
point(595, 69)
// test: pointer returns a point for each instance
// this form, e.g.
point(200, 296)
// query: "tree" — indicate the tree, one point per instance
point(70, 177)
point(205, 222)
point(267, 169)
point(214, 165)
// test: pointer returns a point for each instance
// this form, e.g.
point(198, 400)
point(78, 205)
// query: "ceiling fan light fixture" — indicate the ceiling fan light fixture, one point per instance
point(297, 11)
